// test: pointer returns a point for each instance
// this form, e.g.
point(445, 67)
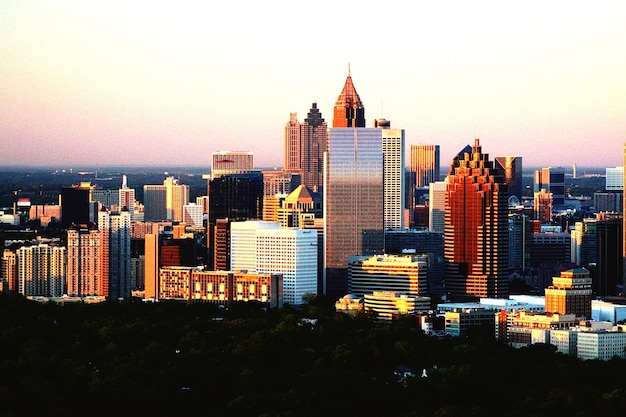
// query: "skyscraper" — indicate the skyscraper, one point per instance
point(165, 202)
point(305, 144)
point(231, 162)
point(87, 263)
point(425, 164)
point(393, 174)
point(349, 110)
point(476, 227)
point(510, 168)
point(553, 180)
point(115, 242)
point(41, 270)
point(77, 205)
point(353, 190)
point(126, 198)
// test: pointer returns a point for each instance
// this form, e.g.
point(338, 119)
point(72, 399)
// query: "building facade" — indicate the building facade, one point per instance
point(476, 228)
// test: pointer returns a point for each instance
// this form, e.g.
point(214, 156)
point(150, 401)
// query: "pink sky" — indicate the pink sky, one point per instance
point(87, 83)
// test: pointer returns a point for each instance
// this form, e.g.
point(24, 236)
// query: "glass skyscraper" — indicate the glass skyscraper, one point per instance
point(353, 201)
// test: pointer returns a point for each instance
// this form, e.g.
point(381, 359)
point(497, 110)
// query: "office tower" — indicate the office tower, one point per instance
point(231, 162)
point(612, 202)
point(87, 263)
point(353, 191)
point(293, 144)
point(9, 271)
point(543, 206)
point(280, 182)
point(425, 164)
point(608, 254)
point(553, 180)
point(405, 274)
point(550, 247)
point(299, 207)
point(126, 198)
point(193, 215)
point(349, 110)
point(106, 197)
point(437, 206)
point(406, 242)
point(155, 205)
point(520, 241)
point(615, 179)
point(305, 144)
point(570, 293)
point(266, 248)
point(41, 270)
point(476, 228)
point(221, 245)
point(165, 202)
point(236, 197)
point(393, 174)
point(314, 143)
point(584, 242)
point(151, 266)
point(77, 205)
point(115, 230)
point(510, 167)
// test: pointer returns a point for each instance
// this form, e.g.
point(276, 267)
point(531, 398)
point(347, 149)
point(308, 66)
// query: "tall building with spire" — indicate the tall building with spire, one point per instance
point(305, 144)
point(349, 110)
point(476, 227)
point(353, 190)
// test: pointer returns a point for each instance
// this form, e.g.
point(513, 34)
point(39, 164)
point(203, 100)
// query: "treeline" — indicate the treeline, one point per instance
point(172, 359)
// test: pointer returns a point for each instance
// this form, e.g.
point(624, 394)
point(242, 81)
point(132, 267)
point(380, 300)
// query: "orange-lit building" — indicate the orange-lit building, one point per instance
point(570, 293)
point(476, 227)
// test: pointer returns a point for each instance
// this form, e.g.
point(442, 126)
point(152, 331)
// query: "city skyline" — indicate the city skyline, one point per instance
point(126, 84)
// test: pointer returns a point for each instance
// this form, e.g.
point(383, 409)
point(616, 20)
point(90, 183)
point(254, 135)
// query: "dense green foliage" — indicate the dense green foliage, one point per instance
point(174, 359)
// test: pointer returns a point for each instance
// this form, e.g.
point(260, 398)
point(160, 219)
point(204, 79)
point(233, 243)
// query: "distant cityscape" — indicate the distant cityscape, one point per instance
point(355, 215)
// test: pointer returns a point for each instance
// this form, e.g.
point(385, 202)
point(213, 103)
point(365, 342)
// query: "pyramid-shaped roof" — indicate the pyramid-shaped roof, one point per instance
point(349, 97)
point(301, 194)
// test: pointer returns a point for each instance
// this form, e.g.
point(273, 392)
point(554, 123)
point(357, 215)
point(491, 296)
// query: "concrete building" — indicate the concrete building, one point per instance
point(401, 274)
point(393, 174)
point(602, 345)
point(437, 206)
point(115, 243)
point(265, 247)
point(425, 163)
point(231, 162)
point(552, 179)
point(87, 263)
point(614, 179)
point(570, 293)
point(388, 304)
point(460, 321)
point(165, 202)
point(41, 270)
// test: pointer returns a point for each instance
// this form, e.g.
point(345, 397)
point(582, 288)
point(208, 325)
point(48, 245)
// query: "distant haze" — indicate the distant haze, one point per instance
point(154, 83)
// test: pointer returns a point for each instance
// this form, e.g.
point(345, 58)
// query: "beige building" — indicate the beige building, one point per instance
point(388, 305)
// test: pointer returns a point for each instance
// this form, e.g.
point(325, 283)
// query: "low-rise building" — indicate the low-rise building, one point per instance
point(388, 305)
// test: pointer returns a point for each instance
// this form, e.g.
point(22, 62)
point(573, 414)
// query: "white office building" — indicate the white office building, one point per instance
point(266, 248)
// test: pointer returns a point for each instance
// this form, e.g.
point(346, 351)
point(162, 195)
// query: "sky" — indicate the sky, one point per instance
point(166, 83)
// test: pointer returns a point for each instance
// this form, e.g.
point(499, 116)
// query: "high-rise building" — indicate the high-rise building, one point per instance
point(41, 270)
point(193, 215)
point(553, 180)
point(349, 110)
point(570, 293)
point(543, 206)
point(314, 143)
point(299, 207)
point(280, 182)
point(393, 174)
point(115, 242)
point(87, 263)
point(608, 279)
point(353, 191)
point(305, 144)
point(425, 164)
point(165, 202)
point(476, 228)
point(231, 162)
point(236, 196)
point(437, 206)
point(293, 145)
point(77, 205)
point(9, 271)
point(615, 179)
point(510, 168)
point(126, 198)
point(265, 247)
point(520, 242)
point(584, 242)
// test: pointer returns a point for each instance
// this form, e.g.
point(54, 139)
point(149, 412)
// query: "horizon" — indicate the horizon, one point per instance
point(90, 82)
